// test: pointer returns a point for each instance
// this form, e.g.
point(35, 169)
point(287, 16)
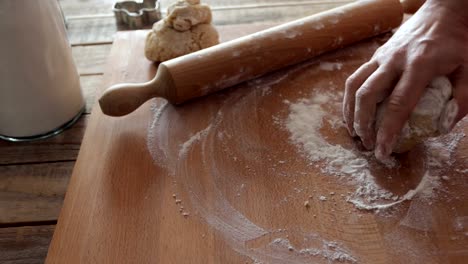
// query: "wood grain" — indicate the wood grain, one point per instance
point(91, 30)
point(25, 245)
point(147, 249)
point(33, 192)
point(30, 193)
point(86, 7)
point(100, 30)
point(270, 14)
point(228, 64)
point(120, 208)
point(99, 7)
point(90, 60)
point(90, 85)
point(63, 147)
point(235, 4)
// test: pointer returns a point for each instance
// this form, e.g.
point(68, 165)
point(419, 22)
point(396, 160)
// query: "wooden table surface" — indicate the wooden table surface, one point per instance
point(218, 180)
point(34, 176)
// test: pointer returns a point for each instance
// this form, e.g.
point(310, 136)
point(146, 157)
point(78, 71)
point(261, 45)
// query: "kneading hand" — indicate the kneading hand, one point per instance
point(434, 42)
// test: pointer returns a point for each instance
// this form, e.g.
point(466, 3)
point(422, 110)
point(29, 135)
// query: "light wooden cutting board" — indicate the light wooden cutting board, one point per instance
point(218, 180)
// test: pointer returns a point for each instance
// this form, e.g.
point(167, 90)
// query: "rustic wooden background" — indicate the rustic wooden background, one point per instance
point(34, 176)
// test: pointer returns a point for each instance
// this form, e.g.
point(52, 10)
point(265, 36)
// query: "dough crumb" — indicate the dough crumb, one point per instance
point(322, 198)
point(186, 29)
point(307, 204)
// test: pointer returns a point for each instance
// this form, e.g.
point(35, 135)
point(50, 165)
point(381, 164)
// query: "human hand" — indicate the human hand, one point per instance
point(434, 42)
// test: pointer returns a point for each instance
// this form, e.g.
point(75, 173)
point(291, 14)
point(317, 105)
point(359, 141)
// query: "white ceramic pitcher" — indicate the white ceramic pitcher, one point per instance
point(40, 91)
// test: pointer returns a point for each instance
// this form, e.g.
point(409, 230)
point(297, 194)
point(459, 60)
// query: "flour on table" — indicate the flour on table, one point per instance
point(308, 116)
point(199, 135)
point(330, 66)
point(330, 251)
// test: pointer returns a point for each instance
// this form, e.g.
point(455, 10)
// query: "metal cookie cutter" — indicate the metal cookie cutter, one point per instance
point(137, 15)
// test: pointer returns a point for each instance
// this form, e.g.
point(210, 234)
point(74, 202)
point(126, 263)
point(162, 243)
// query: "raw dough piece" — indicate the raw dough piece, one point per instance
point(425, 121)
point(186, 29)
point(183, 15)
point(165, 43)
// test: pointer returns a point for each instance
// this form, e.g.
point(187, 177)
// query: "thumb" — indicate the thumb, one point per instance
point(457, 108)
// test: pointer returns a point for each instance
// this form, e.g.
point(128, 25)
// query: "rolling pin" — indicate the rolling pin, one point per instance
point(206, 71)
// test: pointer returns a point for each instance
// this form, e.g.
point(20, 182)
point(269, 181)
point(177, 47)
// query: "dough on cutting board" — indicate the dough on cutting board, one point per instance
point(425, 120)
point(184, 15)
point(186, 29)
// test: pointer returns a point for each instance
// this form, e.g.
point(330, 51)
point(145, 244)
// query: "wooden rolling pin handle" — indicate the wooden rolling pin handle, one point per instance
point(122, 99)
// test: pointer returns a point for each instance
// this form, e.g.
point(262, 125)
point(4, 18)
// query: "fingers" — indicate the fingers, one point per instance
point(401, 103)
point(352, 85)
point(457, 108)
point(374, 90)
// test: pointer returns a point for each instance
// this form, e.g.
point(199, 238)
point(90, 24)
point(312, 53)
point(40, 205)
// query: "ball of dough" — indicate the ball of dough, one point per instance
point(164, 43)
point(186, 29)
point(424, 121)
point(193, 2)
point(186, 14)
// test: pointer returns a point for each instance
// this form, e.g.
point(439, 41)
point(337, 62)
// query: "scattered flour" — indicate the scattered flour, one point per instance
point(330, 66)
point(291, 34)
point(319, 26)
point(330, 251)
point(236, 53)
point(335, 20)
point(199, 135)
point(174, 154)
point(304, 123)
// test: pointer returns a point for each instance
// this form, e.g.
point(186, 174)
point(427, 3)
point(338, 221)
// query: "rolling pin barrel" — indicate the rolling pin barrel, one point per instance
point(194, 75)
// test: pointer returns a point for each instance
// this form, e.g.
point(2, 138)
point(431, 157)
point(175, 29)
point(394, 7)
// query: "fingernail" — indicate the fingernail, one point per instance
point(381, 153)
point(350, 131)
point(357, 129)
point(383, 150)
point(448, 116)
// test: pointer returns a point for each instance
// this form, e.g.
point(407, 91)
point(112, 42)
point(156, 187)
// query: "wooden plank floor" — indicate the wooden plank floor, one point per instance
point(34, 176)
